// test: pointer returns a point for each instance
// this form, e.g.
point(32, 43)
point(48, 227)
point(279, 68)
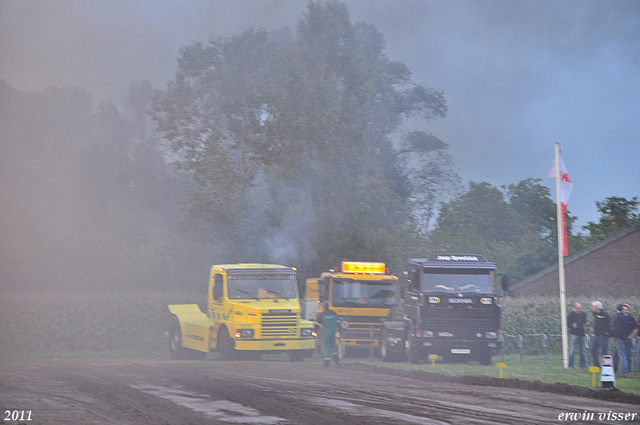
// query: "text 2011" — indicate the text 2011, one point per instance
point(17, 415)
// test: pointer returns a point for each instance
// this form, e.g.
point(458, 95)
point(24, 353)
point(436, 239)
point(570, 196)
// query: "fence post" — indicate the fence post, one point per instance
point(587, 348)
point(521, 346)
point(502, 347)
point(545, 345)
point(635, 353)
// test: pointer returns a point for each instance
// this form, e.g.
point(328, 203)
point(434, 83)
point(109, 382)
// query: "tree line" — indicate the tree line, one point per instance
point(284, 146)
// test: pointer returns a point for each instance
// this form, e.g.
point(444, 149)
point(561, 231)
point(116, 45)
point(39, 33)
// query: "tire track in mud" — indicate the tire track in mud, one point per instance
point(217, 392)
point(402, 407)
point(55, 401)
point(453, 403)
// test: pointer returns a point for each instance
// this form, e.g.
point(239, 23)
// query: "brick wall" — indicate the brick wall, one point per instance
point(611, 268)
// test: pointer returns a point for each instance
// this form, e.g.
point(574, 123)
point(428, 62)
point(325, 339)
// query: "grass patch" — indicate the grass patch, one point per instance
point(532, 369)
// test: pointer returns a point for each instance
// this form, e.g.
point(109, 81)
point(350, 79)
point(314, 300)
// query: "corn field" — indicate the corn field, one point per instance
point(40, 321)
point(532, 317)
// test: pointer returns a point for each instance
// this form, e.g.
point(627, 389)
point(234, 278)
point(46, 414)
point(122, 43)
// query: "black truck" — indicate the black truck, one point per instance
point(451, 309)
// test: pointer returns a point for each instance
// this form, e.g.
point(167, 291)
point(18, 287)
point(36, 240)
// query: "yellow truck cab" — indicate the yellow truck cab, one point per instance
point(361, 294)
point(252, 308)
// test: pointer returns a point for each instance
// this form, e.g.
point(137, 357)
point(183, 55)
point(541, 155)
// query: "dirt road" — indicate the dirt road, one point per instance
point(274, 392)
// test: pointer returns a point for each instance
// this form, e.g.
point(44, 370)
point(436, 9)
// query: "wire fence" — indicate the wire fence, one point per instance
point(551, 344)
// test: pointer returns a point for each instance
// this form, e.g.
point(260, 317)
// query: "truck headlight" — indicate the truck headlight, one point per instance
point(427, 334)
point(306, 332)
point(491, 335)
point(244, 333)
point(434, 300)
point(486, 301)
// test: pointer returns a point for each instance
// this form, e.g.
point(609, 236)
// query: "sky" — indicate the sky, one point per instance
point(517, 75)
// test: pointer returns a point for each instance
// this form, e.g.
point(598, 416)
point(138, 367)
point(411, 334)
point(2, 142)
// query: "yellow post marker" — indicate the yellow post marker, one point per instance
point(500, 366)
point(594, 370)
point(433, 358)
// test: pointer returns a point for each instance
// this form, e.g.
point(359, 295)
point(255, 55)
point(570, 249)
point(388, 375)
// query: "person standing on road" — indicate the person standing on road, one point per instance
point(576, 322)
point(329, 321)
point(625, 327)
point(602, 331)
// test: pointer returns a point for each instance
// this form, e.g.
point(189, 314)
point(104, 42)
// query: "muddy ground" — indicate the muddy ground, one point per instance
point(280, 392)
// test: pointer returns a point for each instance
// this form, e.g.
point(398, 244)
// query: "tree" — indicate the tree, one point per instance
point(479, 221)
point(515, 227)
point(310, 124)
point(538, 248)
point(432, 176)
point(212, 114)
point(616, 214)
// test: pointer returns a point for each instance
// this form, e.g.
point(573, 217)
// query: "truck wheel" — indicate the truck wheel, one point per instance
point(176, 350)
point(225, 345)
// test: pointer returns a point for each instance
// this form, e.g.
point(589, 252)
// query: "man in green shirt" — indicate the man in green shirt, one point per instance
point(329, 321)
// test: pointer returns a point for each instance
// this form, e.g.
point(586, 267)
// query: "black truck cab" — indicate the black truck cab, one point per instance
point(451, 309)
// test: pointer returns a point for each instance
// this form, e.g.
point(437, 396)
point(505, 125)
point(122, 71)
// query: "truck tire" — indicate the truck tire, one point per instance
point(225, 345)
point(177, 351)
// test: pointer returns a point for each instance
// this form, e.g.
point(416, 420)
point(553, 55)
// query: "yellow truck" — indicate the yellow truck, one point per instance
point(361, 294)
point(252, 309)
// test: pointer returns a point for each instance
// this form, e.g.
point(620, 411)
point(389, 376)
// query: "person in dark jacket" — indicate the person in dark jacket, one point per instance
point(576, 322)
point(602, 330)
point(625, 327)
point(329, 321)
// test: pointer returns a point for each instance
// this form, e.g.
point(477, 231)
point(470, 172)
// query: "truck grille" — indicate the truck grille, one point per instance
point(359, 329)
point(279, 325)
point(460, 320)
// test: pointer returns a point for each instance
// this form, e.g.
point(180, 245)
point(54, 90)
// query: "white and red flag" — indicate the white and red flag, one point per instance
point(566, 186)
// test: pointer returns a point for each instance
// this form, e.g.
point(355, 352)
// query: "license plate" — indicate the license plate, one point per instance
point(460, 351)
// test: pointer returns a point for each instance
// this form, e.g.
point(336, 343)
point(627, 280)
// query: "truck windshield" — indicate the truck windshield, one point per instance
point(355, 293)
point(456, 281)
point(262, 286)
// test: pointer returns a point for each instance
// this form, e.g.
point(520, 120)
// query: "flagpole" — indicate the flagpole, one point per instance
point(563, 291)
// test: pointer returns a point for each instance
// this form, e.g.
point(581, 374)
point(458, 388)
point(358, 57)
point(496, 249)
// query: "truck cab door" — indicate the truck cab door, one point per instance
point(217, 298)
point(412, 294)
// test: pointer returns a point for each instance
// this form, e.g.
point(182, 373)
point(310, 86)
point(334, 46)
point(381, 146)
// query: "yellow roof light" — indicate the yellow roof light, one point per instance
point(362, 267)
